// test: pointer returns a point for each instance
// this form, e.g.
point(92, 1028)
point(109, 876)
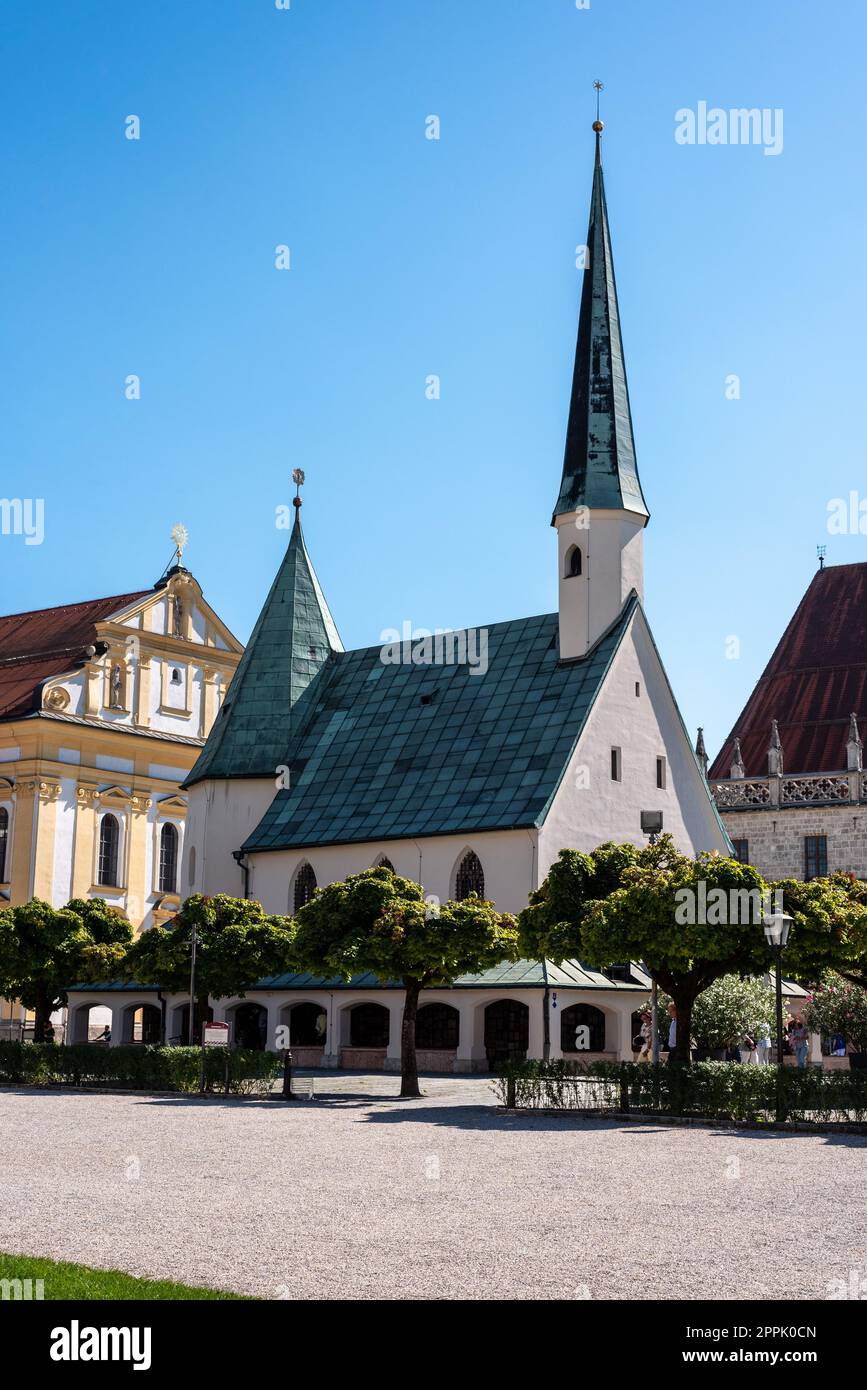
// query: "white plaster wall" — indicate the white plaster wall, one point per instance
point(508, 857)
point(197, 625)
point(220, 817)
point(589, 806)
point(64, 841)
point(158, 616)
point(166, 773)
point(612, 549)
point(9, 755)
point(176, 723)
point(111, 764)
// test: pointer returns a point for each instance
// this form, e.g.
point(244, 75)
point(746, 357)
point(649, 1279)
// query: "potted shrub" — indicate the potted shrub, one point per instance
point(840, 1007)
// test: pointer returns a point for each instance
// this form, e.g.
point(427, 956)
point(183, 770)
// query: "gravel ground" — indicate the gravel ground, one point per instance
point(358, 1195)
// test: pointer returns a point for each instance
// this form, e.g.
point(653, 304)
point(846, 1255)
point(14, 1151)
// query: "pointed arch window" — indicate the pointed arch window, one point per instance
point(168, 880)
point(305, 886)
point(470, 877)
point(574, 562)
point(384, 863)
point(4, 841)
point(109, 841)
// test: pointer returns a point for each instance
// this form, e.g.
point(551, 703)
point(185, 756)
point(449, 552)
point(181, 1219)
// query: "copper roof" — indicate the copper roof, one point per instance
point(46, 642)
point(815, 680)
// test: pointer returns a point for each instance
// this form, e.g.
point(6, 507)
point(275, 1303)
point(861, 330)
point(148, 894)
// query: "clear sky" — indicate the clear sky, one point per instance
point(410, 257)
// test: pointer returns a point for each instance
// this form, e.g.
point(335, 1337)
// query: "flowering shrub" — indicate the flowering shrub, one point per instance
point(839, 1007)
point(730, 1008)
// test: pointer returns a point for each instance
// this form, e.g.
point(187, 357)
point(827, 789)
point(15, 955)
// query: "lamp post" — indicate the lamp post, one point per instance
point(651, 826)
point(777, 926)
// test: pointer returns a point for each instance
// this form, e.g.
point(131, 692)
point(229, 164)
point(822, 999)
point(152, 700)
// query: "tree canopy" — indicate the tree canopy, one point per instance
point(237, 943)
point(379, 922)
point(44, 951)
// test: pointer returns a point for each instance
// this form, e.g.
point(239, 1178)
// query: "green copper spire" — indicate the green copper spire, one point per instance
point(599, 468)
point(292, 640)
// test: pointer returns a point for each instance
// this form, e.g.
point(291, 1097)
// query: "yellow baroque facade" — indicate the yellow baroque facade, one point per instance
point(104, 708)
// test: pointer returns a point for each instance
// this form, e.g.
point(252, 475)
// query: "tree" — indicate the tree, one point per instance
point(548, 927)
point(44, 951)
point(689, 920)
point(376, 921)
point(829, 928)
point(237, 943)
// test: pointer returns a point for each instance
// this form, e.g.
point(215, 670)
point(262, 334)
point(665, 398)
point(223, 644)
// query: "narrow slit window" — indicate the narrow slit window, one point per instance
point(616, 765)
point(660, 772)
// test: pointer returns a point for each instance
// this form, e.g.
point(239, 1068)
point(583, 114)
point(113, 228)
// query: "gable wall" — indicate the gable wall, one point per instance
point(589, 806)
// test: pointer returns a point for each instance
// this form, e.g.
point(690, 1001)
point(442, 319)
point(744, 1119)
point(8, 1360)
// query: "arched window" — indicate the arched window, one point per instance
point(4, 841)
point(169, 858)
point(109, 838)
point(573, 562)
point(305, 886)
point(470, 877)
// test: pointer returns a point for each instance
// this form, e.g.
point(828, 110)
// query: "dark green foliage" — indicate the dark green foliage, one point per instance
point(136, 1067)
point(709, 1090)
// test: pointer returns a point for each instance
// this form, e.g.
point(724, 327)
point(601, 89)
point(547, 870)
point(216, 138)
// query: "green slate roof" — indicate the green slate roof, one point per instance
point(294, 638)
point(599, 467)
point(391, 751)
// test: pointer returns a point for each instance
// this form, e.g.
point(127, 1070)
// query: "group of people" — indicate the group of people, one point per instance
point(754, 1046)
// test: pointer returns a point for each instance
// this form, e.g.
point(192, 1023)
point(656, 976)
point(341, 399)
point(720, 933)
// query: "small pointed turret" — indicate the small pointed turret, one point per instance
point(854, 748)
point(293, 638)
point(701, 752)
point(775, 752)
point(737, 770)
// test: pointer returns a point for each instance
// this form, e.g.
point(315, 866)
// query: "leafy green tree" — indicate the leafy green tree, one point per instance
point(237, 943)
point(548, 927)
point(378, 922)
point(829, 928)
point(635, 906)
point(45, 950)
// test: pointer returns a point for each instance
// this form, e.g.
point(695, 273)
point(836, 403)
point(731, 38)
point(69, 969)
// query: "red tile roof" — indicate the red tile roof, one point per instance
point(815, 679)
point(35, 646)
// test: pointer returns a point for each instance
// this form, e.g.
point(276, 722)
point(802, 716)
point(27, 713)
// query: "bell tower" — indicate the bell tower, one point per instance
point(600, 514)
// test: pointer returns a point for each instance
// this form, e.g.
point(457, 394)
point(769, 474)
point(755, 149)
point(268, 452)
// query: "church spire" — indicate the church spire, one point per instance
point(599, 467)
point(293, 638)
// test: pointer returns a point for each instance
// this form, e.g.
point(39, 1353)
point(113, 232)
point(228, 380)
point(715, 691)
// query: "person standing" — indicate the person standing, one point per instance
point(800, 1038)
point(763, 1044)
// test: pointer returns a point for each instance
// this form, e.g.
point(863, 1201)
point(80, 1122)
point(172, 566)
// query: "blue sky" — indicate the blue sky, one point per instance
point(411, 257)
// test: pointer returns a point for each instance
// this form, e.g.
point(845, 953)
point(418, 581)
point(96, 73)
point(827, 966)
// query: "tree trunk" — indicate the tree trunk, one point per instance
point(42, 1030)
point(683, 1003)
point(408, 1058)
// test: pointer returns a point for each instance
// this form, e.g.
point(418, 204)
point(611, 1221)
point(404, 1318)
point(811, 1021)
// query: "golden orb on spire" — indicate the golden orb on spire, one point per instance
point(598, 126)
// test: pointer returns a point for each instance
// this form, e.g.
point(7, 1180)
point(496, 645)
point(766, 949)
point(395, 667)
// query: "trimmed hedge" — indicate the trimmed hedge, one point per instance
point(137, 1067)
point(709, 1090)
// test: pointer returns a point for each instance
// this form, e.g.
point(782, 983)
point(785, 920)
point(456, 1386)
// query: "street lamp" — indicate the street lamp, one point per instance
point(651, 826)
point(777, 927)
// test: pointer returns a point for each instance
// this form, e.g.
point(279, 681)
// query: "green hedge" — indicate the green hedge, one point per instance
point(711, 1090)
point(137, 1067)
